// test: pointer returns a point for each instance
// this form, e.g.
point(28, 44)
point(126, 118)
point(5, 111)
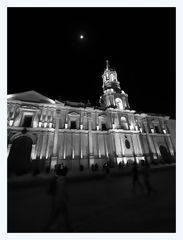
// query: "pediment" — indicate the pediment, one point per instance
point(102, 116)
point(74, 114)
point(155, 121)
point(59, 103)
point(31, 96)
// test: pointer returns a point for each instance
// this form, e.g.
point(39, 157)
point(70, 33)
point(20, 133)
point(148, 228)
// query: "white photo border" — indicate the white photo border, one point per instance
point(4, 4)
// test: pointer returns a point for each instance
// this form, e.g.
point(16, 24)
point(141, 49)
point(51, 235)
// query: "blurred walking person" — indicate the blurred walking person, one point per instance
point(107, 172)
point(59, 220)
point(135, 178)
point(146, 178)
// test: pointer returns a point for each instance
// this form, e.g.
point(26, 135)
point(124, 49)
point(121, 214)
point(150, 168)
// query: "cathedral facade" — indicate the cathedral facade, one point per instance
point(43, 132)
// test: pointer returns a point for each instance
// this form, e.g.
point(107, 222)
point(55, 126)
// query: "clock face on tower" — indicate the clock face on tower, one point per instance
point(119, 103)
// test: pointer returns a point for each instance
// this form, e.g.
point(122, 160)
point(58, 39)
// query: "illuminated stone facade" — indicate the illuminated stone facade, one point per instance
point(47, 132)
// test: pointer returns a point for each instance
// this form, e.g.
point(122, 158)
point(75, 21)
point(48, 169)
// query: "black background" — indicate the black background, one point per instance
point(45, 53)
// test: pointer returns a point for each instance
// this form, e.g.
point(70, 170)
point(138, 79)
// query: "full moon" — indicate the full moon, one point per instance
point(81, 36)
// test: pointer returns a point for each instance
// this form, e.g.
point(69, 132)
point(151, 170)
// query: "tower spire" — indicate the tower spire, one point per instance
point(107, 64)
point(112, 96)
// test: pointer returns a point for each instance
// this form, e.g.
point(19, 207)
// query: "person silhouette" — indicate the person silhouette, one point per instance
point(146, 178)
point(135, 178)
point(59, 220)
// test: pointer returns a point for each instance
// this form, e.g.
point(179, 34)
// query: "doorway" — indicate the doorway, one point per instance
point(19, 156)
point(164, 153)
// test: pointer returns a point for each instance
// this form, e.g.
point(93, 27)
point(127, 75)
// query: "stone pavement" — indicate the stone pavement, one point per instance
point(95, 203)
point(77, 176)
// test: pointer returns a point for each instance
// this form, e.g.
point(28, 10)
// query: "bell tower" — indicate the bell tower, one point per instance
point(113, 96)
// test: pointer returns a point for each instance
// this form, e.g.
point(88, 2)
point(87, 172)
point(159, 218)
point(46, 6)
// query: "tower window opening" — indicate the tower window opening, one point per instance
point(157, 129)
point(27, 121)
point(73, 125)
point(124, 124)
point(104, 128)
point(11, 115)
point(143, 128)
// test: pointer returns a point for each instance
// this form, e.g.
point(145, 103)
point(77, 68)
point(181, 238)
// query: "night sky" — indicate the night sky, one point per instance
point(46, 54)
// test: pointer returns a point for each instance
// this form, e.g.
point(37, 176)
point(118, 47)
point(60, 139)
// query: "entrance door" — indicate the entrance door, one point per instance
point(19, 157)
point(164, 153)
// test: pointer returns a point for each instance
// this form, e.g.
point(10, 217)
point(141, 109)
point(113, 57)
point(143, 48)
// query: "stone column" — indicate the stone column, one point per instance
point(91, 156)
point(119, 120)
point(81, 120)
point(156, 147)
point(66, 120)
point(8, 150)
point(80, 152)
point(54, 158)
point(140, 144)
point(127, 103)
point(35, 120)
point(33, 152)
point(47, 149)
point(14, 110)
point(43, 147)
point(170, 145)
point(97, 147)
point(38, 144)
point(149, 141)
point(18, 119)
point(46, 118)
point(133, 148)
point(40, 120)
point(96, 122)
point(105, 144)
point(128, 123)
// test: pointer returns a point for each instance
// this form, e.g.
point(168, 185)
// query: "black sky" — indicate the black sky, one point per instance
point(45, 53)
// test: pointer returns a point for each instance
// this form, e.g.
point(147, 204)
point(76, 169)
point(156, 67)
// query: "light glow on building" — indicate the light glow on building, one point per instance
point(11, 123)
point(114, 125)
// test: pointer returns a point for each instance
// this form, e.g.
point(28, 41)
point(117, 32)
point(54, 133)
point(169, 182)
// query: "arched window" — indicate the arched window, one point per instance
point(119, 103)
point(124, 123)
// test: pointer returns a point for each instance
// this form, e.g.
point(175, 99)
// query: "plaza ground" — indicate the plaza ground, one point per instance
point(96, 203)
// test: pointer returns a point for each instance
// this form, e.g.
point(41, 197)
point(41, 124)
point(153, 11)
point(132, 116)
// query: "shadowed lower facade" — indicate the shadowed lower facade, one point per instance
point(43, 132)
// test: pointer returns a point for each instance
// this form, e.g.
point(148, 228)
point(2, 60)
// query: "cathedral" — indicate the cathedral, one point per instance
point(43, 133)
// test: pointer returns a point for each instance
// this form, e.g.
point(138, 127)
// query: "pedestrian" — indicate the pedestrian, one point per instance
point(146, 178)
point(120, 165)
point(93, 167)
point(107, 172)
point(59, 219)
point(96, 166)
point(135, 177)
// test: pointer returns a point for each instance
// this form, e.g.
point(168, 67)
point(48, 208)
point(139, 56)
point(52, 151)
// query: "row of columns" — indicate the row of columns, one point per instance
point(153, 144)
point(54, 158)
